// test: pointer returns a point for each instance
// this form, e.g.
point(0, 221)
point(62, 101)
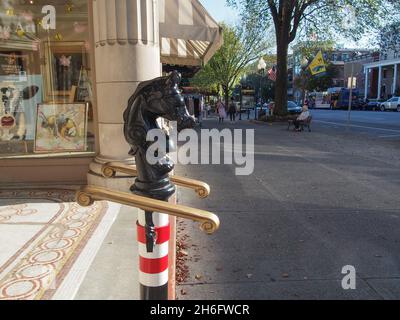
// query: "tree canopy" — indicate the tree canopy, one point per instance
point(326, 18)
point(306, 51)
point(306, 82)
point(389, 38)
point(242, 45)
point(322, 19)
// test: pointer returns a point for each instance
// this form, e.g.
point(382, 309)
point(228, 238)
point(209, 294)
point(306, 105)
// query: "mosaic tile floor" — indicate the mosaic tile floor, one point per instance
point(42, 233)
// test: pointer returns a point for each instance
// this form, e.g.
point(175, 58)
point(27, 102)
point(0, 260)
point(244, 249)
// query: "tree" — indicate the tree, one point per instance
point(255, 78)
point(309, 48)
point(389, 39)
point(306, 52)
point(202, 81)
point(307, 82)
point(242, 45)
point(312, 17)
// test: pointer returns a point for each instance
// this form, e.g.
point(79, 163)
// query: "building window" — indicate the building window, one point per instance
point(345, 56)
point(45, 80)
point(334, 57)
point(384, 73)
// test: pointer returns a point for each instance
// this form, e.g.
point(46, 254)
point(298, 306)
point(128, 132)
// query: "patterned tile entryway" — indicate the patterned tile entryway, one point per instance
point(42, 233)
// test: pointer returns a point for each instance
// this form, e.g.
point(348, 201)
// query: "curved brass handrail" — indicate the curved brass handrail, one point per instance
point(110, 169)
point(87, 195)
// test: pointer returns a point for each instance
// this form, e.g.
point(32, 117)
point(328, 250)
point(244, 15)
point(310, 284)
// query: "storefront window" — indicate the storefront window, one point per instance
point(45, 79)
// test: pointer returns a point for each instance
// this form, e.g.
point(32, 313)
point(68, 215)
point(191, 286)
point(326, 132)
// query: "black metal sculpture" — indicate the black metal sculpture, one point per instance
point(152, 99)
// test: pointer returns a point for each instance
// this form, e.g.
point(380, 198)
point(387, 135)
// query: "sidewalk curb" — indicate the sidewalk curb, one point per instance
point(261, 122)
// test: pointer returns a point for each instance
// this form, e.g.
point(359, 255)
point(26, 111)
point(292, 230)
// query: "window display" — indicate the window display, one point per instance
point(45, 79)
point(61, 127)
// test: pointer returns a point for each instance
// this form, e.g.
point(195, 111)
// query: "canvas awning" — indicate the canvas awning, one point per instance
point(189, 35)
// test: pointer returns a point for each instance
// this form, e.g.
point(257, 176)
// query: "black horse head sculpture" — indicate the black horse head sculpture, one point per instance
point(152, 99)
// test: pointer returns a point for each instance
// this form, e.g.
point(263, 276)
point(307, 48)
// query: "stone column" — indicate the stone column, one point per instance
point(394, 79)
point(379, 81)
point(366, 84)
point(127, 51)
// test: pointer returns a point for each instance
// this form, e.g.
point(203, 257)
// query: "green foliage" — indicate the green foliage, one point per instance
point(313, 19)
point(254, 80)
point(308, 49)
point(323, 18)
point(270, 61)
point(203, 81)
point(308, 82)
point(389, 39)
point(242, 45)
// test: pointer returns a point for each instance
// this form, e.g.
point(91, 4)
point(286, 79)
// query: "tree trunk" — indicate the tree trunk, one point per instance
point(281, 85)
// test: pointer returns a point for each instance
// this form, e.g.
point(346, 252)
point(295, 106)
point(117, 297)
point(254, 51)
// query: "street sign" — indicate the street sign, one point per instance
point(352, 83)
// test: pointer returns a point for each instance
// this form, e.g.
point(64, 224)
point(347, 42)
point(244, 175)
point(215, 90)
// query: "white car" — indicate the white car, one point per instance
point(391, 104)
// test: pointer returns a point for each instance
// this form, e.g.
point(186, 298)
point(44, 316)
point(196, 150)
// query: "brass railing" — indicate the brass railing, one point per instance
point(88, 194)
point(110, 169)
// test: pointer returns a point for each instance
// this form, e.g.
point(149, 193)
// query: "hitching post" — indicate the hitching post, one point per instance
point(151, 100)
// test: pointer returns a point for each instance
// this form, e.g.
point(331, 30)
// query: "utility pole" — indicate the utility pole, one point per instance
point(261, 68)
point(241, 102)
point(352, 84)
point(350, 96)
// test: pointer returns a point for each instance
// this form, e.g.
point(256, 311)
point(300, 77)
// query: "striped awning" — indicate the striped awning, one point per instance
point(189, 35)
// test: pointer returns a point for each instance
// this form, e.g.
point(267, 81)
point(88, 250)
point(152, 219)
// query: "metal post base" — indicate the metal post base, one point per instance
point(154, 293)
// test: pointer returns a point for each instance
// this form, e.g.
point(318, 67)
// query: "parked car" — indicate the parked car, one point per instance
point(391, 104)
point(372, 104)
point(293, 107)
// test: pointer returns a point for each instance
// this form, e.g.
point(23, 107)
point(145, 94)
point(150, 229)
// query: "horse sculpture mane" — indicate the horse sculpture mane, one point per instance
point(152, 99)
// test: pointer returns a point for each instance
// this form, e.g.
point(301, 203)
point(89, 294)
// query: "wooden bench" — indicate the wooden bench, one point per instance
point(303, 124)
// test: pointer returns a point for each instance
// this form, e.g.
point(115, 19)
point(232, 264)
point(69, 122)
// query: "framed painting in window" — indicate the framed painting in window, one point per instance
point(61, 127)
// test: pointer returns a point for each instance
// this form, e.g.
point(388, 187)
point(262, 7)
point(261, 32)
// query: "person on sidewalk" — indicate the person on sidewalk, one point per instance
point(232, 111)
point(265, 107)
point(271, 107)
point(221, 111)
point(201, 112)
point(302, 117)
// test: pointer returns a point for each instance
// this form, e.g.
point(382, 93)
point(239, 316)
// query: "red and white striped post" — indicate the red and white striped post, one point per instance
point(145, 106)
point(153, 232)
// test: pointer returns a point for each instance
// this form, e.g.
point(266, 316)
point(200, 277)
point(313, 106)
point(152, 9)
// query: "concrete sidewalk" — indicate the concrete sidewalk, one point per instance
point(113, 274)
point(51, 248)
point(316, 202)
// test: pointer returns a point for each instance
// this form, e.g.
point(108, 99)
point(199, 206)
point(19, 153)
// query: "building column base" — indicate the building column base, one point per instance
point(120, 182)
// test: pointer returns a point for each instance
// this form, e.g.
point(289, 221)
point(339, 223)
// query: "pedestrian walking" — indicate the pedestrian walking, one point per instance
point(208, 109)
point(232, 111)
point(271, 107)
point(265, 107)
point(203, 108)
point(221, 111)
point(201, 112)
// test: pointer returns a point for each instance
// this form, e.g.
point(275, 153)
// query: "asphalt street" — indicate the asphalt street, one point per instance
point(315, 203)
point(380, 124)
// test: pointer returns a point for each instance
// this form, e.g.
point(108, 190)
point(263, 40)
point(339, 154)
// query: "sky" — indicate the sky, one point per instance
point(220, 11)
